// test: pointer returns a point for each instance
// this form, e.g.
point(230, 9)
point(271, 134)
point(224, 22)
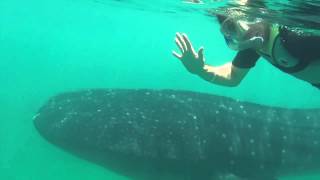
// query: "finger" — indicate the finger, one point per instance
point(179, 45)
point(200, 53)
point(176, 55)
point(181, 40)
point(188, 43)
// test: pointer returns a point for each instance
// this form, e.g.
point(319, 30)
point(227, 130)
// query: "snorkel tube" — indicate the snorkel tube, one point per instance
point(254, 42)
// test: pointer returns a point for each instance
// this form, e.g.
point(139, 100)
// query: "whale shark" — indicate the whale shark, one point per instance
point(149, 134)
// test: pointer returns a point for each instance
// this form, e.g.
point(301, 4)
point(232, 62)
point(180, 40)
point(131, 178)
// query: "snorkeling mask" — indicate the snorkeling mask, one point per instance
point(240, 34)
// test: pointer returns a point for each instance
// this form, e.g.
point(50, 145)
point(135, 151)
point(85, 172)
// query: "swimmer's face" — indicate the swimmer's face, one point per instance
point(231, 29)
point(238, 29)
point(240, 34)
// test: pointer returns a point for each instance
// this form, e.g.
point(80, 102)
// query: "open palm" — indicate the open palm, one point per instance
point(192, 61)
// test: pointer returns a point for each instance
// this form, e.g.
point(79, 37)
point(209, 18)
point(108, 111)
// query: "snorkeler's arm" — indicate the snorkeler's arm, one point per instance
point(225, 75)
point(231, 73)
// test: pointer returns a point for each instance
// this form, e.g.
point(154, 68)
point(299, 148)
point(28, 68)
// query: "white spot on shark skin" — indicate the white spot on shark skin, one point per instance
point(189, 99)
point(127, 113)
point(60, 108)
point(63, 120)
point(283, 151)
point(98, 110)
point(194, 117)
point(217, 112)
point(315, 142)
point(251, 141)
point(249, 126)
point(35, 116)
point(284, 137)
point(147, 93)
point(253, 153)
point(223, 106)
point(173, 96)
point(223, 135)
point(230, 149)
point(241, 106)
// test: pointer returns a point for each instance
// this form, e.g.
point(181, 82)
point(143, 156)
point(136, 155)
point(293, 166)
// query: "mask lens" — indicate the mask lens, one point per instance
point(240, 35)
point(228, 28)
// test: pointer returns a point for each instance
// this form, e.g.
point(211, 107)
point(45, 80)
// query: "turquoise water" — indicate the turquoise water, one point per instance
point(47, 47)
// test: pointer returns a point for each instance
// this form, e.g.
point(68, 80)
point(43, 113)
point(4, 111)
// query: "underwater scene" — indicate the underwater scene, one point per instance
point(145, 90)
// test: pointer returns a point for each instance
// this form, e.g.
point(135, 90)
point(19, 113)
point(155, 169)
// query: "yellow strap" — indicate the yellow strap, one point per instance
point(267, 49)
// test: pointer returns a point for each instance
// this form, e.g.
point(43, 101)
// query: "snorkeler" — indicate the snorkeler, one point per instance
point(294, 52)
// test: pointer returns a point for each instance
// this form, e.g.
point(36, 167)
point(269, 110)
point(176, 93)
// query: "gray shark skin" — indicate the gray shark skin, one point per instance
point(156, 134)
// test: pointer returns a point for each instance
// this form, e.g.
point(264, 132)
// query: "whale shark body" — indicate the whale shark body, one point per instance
point(156, 134)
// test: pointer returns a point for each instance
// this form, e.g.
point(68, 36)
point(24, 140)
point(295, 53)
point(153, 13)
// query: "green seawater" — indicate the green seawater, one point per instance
point(53, 46)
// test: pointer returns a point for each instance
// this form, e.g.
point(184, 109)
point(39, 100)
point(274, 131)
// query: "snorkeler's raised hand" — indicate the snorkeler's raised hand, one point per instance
point(192, 61)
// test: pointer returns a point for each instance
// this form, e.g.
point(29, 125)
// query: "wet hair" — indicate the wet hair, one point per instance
point(221, 18)
point(249, 4)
